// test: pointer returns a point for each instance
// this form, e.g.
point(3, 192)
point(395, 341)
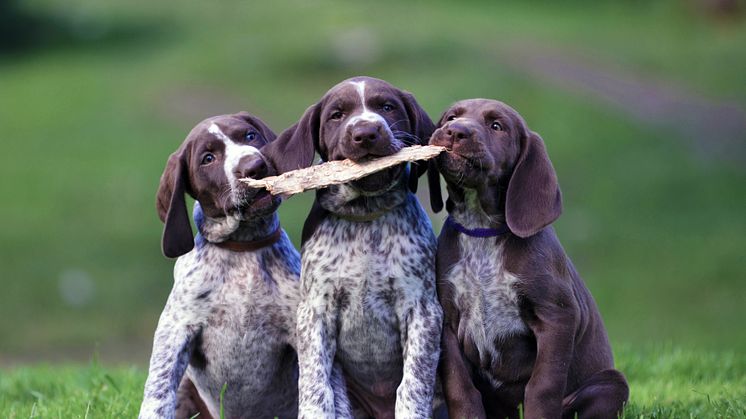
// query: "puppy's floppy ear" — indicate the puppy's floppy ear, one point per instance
point(433, 176)
point(422, 128)
point(420, 123)
point(533, 200)
point(266, 131)
point(296, 146)
point(171, 205)
point(433, 183)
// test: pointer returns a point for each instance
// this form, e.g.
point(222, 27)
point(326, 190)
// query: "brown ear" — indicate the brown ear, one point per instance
point(422, 128)
point(533, 200)
point(266, 131)
point(419, 122)
point(171, 205)
point(433, 183)
point(296, 146)
point(433, 177)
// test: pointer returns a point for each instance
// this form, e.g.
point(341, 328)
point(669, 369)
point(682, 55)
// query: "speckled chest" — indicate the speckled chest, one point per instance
point(246, 305)
point(484, 294)
point(370, 274)
point(253, 300)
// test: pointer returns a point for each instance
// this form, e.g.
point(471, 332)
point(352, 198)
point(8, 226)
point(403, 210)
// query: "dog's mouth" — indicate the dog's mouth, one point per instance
point(261, 199)
point(384, 149)
point(379, 182)
point(457, 168)
point(259, 203)
point(454, 160)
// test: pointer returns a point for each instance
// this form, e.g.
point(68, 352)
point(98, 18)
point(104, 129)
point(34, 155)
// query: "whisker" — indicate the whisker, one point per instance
point(406, 141)
point(404, 134)
point(396, 122)
point(224, 192)
point(406, 137)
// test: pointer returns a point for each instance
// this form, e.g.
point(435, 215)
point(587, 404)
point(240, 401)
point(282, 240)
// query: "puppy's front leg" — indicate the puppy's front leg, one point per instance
point(181, 320)
point(317, 343)
point(553, 319)
point(462, 398)
point(169, 360)
point(421, 343)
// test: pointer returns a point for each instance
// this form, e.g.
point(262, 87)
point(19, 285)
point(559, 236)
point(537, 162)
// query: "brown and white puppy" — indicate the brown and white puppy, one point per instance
point(520, 326)
point(368, 297)
point(230, 318)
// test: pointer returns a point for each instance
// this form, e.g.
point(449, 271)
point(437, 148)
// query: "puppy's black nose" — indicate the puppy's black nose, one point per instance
point(251, 166)
point(458, 132)
point(365, 135)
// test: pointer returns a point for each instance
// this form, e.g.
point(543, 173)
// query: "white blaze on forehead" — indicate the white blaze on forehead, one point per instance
point(360, 87)
point(366, 115)
point(217, 132)
point(233, 152)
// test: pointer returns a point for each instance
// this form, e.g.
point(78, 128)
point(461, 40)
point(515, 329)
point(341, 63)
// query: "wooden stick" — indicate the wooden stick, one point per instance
point(338, 172)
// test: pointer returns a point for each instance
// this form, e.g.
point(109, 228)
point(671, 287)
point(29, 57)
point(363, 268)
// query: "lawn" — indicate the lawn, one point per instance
point(665, 383)
point(89, 116)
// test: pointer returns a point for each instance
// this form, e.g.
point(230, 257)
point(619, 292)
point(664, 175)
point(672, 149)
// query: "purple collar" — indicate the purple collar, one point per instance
point(476, 232)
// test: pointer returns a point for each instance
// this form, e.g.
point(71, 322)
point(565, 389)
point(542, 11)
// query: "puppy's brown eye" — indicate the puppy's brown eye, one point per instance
point(387, 107)
point(451, 118)
point(337, 115)
point(496, 126)
point(250, 136)
point(208, 158)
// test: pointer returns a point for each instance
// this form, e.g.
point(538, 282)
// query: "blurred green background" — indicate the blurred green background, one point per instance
point(641, 105)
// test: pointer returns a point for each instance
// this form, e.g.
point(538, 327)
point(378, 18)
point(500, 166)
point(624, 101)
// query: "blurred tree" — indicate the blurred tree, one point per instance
point(24, 29)
point(18, 27)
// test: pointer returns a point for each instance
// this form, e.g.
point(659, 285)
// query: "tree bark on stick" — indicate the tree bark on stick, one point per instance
point(338, 171)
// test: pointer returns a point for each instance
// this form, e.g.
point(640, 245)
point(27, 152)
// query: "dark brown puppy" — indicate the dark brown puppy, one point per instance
point(520, 325)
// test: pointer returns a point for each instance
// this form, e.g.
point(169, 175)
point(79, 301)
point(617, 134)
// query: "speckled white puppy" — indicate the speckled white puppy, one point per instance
point(230, 318)
point(368, 297)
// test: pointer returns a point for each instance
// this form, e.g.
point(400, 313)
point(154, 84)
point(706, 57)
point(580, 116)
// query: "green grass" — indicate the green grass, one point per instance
point(665, 382)
point(656, 230)
point(71, 392)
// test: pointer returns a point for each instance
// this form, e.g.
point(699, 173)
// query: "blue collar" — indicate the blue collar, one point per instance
point(476, 232)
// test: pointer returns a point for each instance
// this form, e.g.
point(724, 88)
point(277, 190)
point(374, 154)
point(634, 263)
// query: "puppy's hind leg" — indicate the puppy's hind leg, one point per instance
point(602, 396)
point(189, 403)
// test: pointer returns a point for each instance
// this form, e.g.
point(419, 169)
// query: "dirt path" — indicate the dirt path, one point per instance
point(714, 129)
